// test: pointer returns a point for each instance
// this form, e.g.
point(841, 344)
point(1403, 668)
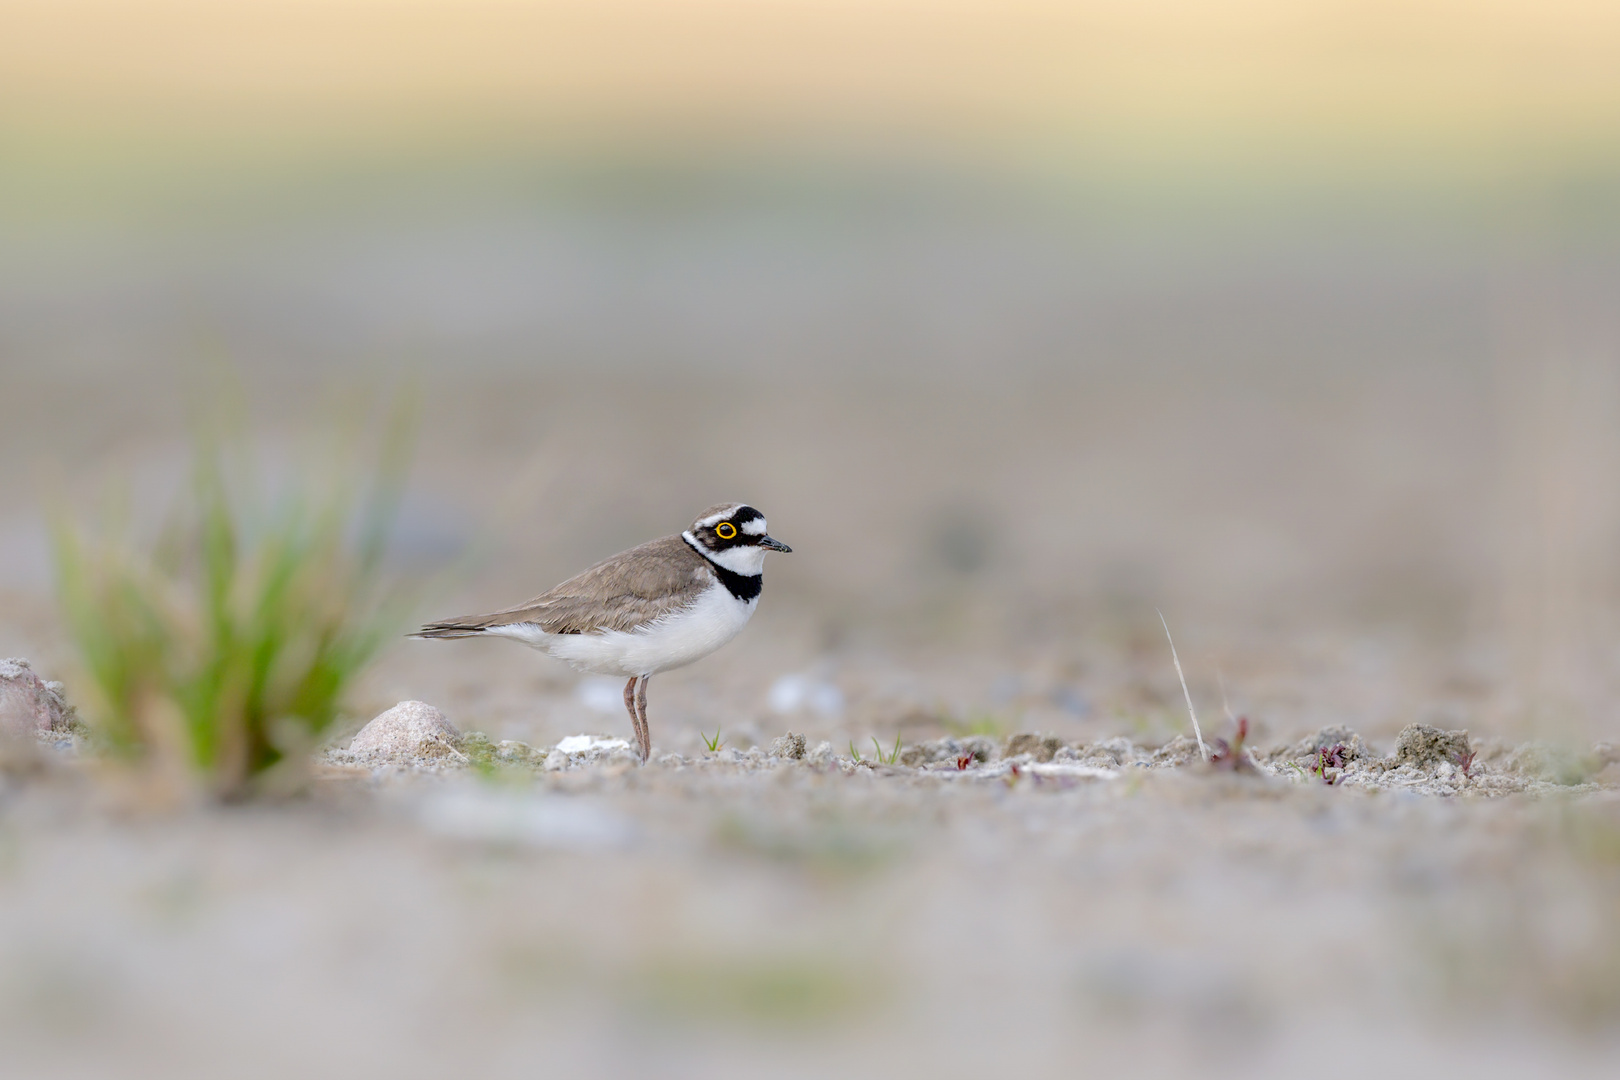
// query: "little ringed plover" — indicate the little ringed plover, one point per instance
point(659, 606)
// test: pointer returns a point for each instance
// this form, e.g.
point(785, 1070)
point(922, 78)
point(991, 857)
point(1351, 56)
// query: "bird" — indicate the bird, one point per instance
point(659, 606)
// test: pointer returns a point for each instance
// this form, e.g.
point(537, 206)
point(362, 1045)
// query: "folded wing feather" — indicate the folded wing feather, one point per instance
point(625, 592)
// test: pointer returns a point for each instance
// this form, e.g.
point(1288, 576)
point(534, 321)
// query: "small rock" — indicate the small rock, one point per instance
point(28, 704)
point(821, 755)
point(1426, 747)
point(556, 761)
point(789, 746)
point(1040, 747)
point(409, 729)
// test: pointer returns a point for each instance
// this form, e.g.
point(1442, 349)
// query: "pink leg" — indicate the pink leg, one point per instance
point(641, 707)
point(630, 707)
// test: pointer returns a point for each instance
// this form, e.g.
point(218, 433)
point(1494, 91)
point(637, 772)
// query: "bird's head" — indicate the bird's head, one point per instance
point(734, 535)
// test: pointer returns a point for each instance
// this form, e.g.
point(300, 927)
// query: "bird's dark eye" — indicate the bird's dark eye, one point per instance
point(726, 531)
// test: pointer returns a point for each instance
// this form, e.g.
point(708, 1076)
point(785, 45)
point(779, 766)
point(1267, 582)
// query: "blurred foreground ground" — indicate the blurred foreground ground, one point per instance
point(713, 920)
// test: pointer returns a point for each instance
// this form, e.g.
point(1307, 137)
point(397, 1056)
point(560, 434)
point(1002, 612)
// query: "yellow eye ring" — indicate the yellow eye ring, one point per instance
point(726, 531)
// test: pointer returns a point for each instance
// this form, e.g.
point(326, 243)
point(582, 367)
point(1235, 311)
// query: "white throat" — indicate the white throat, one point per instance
point(746, 559)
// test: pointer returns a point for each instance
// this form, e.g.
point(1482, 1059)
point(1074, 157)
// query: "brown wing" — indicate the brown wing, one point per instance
point(629, 590)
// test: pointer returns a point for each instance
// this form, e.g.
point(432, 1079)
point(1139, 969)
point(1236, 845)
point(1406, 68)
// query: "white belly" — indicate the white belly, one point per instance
point(670, 642)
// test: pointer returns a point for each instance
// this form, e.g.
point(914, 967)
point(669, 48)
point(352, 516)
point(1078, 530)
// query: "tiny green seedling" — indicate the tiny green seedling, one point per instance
point(713, 744)
point(854, 754)
point(892, 757)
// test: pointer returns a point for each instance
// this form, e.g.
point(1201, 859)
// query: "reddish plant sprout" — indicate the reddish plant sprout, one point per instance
point(1231, 755)
point(963, 761)
point(1465, 762)
point(1330, 757)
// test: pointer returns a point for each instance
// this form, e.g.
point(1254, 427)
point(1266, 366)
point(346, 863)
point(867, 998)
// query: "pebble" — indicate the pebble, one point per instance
point(28, 704)
point(409, 729)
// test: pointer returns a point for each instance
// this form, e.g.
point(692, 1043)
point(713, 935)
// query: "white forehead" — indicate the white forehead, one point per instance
point(719, 515)
point(753, 527)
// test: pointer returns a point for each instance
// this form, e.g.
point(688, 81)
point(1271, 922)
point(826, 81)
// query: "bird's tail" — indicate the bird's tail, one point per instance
point(449, 630)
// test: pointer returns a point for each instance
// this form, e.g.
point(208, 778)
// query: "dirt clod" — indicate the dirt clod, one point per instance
point(919, 755)
point(519, 753)
point(1335, 740)
point(1181, 750)
point(1119, 748)
point(789, 746)
point(1426, 747)
point(1040, 747)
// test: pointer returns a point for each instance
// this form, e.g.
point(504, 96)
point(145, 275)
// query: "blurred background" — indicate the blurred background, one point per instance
point(1298, 320)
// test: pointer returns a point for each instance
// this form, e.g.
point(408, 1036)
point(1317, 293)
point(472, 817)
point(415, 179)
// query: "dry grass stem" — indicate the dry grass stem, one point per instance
point(1197, 732)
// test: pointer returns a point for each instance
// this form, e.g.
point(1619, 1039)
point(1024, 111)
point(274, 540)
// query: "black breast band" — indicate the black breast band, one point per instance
point(744, 587)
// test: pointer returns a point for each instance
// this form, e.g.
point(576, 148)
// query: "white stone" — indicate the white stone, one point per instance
point(409, 729)
point(584, 744)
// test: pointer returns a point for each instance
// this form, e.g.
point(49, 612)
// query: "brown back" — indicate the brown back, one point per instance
point(624, 592)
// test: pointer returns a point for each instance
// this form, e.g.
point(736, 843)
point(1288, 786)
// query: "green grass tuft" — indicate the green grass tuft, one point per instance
point(224, 649)
point(713, 744)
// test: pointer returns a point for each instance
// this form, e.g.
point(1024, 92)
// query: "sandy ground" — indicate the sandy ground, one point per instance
point(732, 914)
point(1367, 488)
